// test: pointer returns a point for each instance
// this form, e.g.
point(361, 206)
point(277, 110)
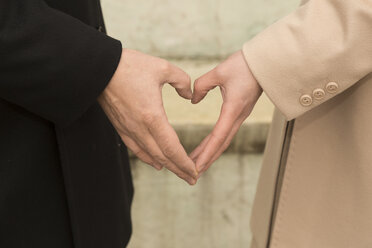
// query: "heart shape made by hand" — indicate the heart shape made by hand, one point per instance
point(133, 102)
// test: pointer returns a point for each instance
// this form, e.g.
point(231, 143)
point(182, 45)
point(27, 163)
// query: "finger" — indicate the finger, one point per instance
point(168, 142)
point(244, 114)
point(148, 144)
point(203, 85)
point(219, 134)
point(232, 134)
point(161, 159)
point(197, 151)
point(181, 81)
point(141, 154)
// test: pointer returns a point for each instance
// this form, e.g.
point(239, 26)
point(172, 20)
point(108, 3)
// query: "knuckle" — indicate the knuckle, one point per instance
point(160, 159)
point(182, 175)
point(188, 79)
point(164, 66)
point(150, 118)
point(198, 87)
point(137, 152)
point(169, 151)
point(225, 146)
point(220, 71)
point(218, 138)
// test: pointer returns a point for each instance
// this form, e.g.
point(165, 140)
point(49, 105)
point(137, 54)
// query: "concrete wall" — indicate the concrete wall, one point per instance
point(215, 213)
point(190, 28)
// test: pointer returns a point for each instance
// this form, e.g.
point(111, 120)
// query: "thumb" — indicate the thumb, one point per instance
point(181, 81)
point(203, 85)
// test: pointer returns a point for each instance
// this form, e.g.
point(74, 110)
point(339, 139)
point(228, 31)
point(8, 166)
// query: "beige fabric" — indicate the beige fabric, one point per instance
point(262, 209)
point(326, 196)
point(323, 41)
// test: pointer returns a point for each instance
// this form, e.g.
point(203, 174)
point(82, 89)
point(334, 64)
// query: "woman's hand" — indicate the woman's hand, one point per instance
point(240, 92)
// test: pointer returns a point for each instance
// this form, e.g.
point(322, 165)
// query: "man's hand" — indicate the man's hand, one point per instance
point(240, 92)
point(133, 103)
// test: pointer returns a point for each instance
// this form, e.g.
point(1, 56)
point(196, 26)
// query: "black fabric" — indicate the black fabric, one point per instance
point(65, 179)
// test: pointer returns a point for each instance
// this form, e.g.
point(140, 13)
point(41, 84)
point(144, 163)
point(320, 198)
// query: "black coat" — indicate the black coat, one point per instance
point(64, 173)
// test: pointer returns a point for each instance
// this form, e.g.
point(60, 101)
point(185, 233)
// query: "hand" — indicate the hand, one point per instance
point(240, 92)
point(133, 103)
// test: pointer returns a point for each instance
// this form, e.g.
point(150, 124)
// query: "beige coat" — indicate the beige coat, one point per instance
point(315, 188)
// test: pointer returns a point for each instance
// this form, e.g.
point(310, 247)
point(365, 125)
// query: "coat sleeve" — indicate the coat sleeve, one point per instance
point(52, 64)
point(313, 54)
